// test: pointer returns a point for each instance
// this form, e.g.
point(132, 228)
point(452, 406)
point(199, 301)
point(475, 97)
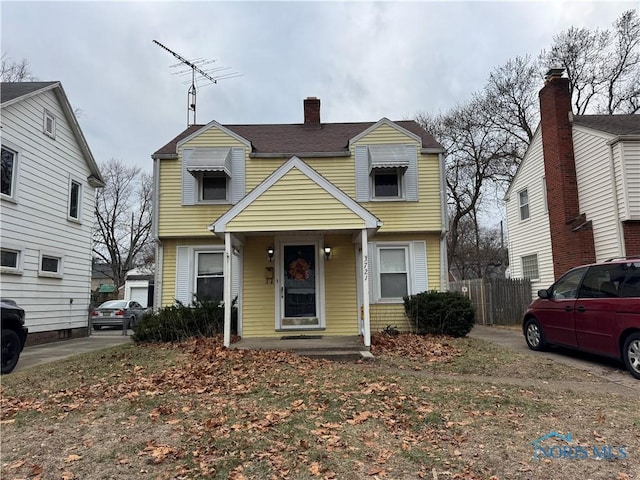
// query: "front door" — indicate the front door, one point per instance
point(300, 306)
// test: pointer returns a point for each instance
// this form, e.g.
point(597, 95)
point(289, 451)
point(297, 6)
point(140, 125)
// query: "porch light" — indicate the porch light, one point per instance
point(270, 252)
point(327, 252)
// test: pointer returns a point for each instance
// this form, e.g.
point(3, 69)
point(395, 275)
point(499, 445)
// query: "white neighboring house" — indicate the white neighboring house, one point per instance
point(137, 283)
point(575, 198)
point(49, 181)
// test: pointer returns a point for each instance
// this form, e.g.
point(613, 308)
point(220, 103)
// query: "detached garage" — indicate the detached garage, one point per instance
point(138, 286)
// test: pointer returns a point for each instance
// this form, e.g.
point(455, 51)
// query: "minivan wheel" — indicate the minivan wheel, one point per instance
point(631, 354)
point(533, 335)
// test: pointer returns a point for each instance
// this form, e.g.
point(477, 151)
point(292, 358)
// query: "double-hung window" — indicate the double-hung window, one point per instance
point(9, 172)
point(397, 269)
point(530, 267)
point(75, 200)
point(523, 198)
point(394, 272)
point(49, 124)
point(209, 276)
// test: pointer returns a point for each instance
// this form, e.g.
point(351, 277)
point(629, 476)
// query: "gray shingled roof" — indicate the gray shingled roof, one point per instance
point(11, 90)
point(614, 124)
point(296, 139)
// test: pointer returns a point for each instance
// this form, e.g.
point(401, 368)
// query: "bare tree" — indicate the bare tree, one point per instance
point(511, 100)
point(477, 154)
point(122, 234)
point(603, 67)
point(14, 71)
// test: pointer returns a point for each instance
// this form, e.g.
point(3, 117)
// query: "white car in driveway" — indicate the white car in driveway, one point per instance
point(114, 313)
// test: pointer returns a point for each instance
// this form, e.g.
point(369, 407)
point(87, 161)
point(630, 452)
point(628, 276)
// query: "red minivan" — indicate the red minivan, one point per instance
point(594, 308)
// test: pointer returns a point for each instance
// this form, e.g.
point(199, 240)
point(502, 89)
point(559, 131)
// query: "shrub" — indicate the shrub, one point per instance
point(178, 322)
point(440, 313)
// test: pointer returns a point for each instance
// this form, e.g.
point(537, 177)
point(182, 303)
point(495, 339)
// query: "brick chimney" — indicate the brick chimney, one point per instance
point(312, 112)
point(571, 233)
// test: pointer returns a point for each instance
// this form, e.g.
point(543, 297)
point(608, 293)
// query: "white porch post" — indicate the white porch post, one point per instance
point(365, 288)
point(227, 288)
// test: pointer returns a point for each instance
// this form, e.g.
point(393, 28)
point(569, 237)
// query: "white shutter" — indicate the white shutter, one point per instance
point(411, 174)
point(373, 275)
point(189, 184)
point(183, 276)
point(362, 173)
point(420, 281)
point(237, 175)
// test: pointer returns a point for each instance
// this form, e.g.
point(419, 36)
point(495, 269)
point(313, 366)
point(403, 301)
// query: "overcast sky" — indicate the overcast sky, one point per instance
point(363, 60)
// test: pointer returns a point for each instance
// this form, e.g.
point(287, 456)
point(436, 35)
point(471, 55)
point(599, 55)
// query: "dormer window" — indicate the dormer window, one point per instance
point(212, 175)
point(49, 124)
point(387, 182)
point(386, 172)
point(213, 186)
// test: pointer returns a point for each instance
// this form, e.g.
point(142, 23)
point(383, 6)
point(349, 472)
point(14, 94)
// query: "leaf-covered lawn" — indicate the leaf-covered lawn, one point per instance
point(434, 408)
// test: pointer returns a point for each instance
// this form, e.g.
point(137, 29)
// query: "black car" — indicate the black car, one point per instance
point(14, 334)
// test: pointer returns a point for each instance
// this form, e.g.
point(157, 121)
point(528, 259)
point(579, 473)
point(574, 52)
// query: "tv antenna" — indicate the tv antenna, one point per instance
point(194, 65)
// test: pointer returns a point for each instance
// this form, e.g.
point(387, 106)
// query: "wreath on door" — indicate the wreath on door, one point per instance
point(299, 269)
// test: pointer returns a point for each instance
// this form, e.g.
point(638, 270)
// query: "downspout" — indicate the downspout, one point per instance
point(444, 264)
point(614, 187)
point(159, 248)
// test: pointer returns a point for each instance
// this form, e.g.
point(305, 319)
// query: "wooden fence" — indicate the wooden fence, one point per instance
point(496, 302)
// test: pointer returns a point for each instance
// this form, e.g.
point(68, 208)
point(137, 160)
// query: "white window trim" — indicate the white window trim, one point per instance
point(14, 177)
point(49, 115)
point(194, 262)
point(19, 269)
point(407, 246)
point(537, 278)
point(520, 205)
point(77, 219)
point(401, 187)
point(200, 187)
point(59, 257)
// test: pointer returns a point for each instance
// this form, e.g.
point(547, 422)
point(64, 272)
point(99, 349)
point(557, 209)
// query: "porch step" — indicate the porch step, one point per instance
point(340, 355)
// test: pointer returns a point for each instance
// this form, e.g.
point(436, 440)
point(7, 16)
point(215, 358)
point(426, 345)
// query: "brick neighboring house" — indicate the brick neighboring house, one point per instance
point(575, 198)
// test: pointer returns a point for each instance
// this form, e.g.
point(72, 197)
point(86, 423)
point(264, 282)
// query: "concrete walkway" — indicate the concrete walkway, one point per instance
point(50, 352)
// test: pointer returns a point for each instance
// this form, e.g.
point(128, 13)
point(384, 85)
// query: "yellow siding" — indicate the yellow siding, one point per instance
point(177, 220)
point(340, 287)
point(169, 263)
point(385, 134)
point(384, 314)
point(214, 137)
point(388, 314)
point(258, 307)
point(339, 170)
point(408, 216)
point(295, 203)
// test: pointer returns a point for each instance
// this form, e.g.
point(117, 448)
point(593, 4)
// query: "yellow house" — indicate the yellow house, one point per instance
point(315, 228)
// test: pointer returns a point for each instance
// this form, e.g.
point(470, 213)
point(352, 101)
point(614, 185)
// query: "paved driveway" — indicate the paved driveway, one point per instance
point(602, 367)
point(50, 352)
